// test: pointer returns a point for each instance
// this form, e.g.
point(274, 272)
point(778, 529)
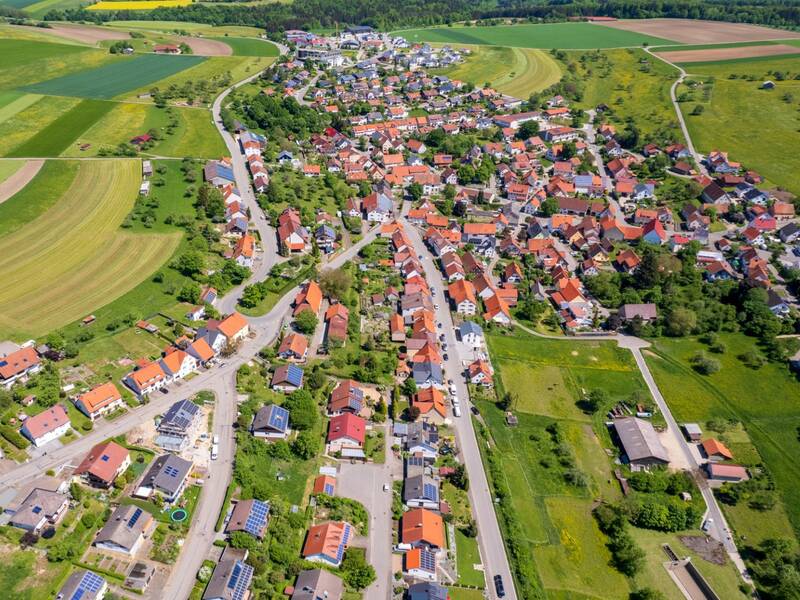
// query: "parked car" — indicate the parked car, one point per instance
point(499, 587)
point(475, 410)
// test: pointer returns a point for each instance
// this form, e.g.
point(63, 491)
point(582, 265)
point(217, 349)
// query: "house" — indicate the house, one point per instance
point(325, 238)
point(346, 397)
point(178, 426)
point(83, 585)
point(397, 328)
point(250, 516)
point(427, 374)
point(271, 422)
point(713, 194)
point(103, 464)
point(420, 563)
point(497, 310)
point(177, 364)
point(337, 318)
point(471, 334)
point(346, 431)
point(640, 442)
point(17, 365)
point(287, 378)
point(693, 431)
point(166, 477)
point(627, 261)
point(715, 450)
point(309, 298)
point(427, 591)
point(726, 473)
point(421, 491)
point(293, 347)
point(645, 312)
point(779, 307)
point(317, 584)
point(125, 530)
point(653, 233)
point(430, 402)
point(326, 542)
point(201, 351)
point(39, 509)
point(479, 372)
point(99, 400)
point(48, 425)
point(244, 251)
point(377, 207)
point(462, 295)
point(789, 233)
point(231, 577)
point(422, 528)
point(324, 484)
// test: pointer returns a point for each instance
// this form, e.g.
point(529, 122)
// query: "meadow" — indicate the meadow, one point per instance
point(12, 102)
point(58, 135)
point(193, 28)
point(112, 80)
point(518, 72)
point(249, 46)
point(38, 9)
point(32, 61)
point(8, 168)
point(24, 125)
point(551, 35)
point(765, 139)
point(81, 259)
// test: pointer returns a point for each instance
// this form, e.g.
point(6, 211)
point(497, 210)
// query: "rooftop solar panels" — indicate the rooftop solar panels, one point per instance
point(278, 418)
point(240, 580)
point(427, 560)
point(343, 543)
point(135, 517)
point(294, 375)
point(430, 491)
point(257, 519)
point(90, 584)
point(328, 489)
point(171, 471)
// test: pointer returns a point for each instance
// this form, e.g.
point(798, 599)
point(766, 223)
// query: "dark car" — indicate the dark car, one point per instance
point(498, 586)
point(475, 410)
point(164, 390)
point(444, 356)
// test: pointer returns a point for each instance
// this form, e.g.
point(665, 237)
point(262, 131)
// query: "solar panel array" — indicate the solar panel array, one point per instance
point(328, 489)
point(135, 517)
point(427, 560)
point(355, 404)
point(90, 584)
point(343, 543)
point(240, 580)
point(179, 416)
point(294, 375)
point(171, 471)
point(257, 519)
point(278, 418)
point(430, 491)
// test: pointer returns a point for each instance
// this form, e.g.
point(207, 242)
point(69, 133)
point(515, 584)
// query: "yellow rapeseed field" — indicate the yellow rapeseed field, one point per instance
point(138, 4)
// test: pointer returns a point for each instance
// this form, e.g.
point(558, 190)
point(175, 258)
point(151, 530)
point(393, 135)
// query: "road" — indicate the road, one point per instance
point(490, 541)
point(591, 143)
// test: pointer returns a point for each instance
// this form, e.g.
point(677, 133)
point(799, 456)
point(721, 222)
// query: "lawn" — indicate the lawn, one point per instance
point(550, 35)
point(24, 125)
point(455, 593)
point(114, 79)
point(515, 71)
point(249, 46)
point(765, 401)
point(634, 85)
point(467, 555)
point(764, 140)
point(81, 259)
point(59, 135)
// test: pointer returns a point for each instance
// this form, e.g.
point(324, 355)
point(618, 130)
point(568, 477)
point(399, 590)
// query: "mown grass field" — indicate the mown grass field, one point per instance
point(12, 102)
point(25, 124)
point(249, 46)
point(766, 402)
point(28, 62)
point(518, 72)
point(764, 139)
point(38, 9)
point(58, 135)
point(550, 35)
point(80, 259)
point(9, 167)
point(39, 195)
point(634, 85)
point(112, 80)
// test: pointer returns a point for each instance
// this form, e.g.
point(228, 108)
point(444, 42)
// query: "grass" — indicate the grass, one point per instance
point(771, 422)
point(249, 46)
point(81, 260)
point(36, 197)
point(763, 139)
point(111, 80)
point(24, 125)
point(515, 71)
point(12, 102)
point(138, 4)
point(550, 35)
point(194, 28)
point(8, 168)
point(56, 137)
point(467, 555)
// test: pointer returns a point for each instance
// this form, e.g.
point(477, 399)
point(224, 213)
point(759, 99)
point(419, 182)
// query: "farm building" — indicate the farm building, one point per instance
point(640, 442)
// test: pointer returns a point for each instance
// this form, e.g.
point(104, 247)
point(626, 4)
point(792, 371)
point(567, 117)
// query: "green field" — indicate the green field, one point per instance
point(81, 260)
point(38, 9)
point(9, 167)
point(518, 72)
point(112, 80)
point(58, 135)
point(551, 35)
point(12, 102)
point(770, 415)
point(25, 124)
point(467, 556)
point(249, 46)
point(193, 28)
point(765, 139)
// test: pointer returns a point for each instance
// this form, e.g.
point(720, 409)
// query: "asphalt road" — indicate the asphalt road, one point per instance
point(490, 541)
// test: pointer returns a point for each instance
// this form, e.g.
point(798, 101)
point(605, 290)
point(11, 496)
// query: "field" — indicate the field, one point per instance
point(690, 31)
point(81, 260)
point(186, 26)
point(112, 80)
point(31, 61)
point(86, 34)
point(17, 129)
point(552, 35)
point(38, 9)
point(518, 72)
point(58, 135)
point(38, 196)
point(771, 420)
point(137, 4)
point(249, 46)
point(730, 53)
point(8, 168)
point(764, 140)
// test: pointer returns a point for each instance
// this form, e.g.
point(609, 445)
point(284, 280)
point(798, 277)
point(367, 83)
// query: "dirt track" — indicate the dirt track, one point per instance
point(19, 179)
point(690, 56)
point(205, 47)
point(688, 31)
point(87, 34)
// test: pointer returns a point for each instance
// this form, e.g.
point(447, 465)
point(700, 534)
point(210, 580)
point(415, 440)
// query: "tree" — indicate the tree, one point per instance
point(595, 400)
point(681, 321)
point(527, 129)
point(358, 573)
point(415, 191)
point(646, 594)
point(413, 413)
point(190, 263)
point(306, 322)
point(703, 364)
point(470, 529)
point(459, 478)
point(335, 283)
point(306, 445)
point(549, 207)
point(409, 387)
point(190, 293)
point(302, 408)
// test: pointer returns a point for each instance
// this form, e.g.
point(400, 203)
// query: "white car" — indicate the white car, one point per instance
point(708, 524)
point(214, 452)
point(215, 441)
point(436, 307)
point(456, 410)
point(386, 487)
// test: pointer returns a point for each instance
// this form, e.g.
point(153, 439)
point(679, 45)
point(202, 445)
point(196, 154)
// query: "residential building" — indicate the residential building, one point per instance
point(250, 516)
point(327, 542)
point(422, 528)
point(147, 379)
point(231, 577)
point(271, 422)
point(17, 365)
point(420, 563)
point(125, 530)
point(83, 585)
point(346, 397)
point(294, 347)
point(471, 334)
point(287, 378)
point(346, 431)
point(103, 464)
point(421, 491)
point(48, 425)
point(166, 476)
point(178, 426)
point(39, 509)
point(427, 591)
point(317, 584)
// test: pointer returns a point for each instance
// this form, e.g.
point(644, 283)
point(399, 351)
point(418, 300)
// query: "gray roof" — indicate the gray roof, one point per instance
point(640, 440)
point(167, 473)
point(420, 487)
point(427, 591)
point(468, 327)
point(645, 311)
point(38, 505)
point(271, 418)
point(124, 527)
point(179, 418)
point(83, 584)
point(317, 584)
point(231, 577)
point(424, 371)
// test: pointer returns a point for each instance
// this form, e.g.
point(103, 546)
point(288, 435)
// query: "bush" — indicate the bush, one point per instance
point(703, 364)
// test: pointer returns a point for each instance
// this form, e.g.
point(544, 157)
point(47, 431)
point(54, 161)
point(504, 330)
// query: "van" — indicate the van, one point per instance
point(456, 410)
point(215, 439)
point(214, 451)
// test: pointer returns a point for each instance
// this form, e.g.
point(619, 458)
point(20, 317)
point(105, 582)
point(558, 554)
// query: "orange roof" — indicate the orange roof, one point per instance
point(16, 362)
point(429, 399)
point(325, 539)
point(309, 297)
point(480, 228)
point(295, 343)
point(148, 373)
point(462, 290)
point(101, 396)
point(337, 310)
point(231, 325)
point(420, 526)
point(396, 323)
point(202, 349)
point(323, 480)
point(245, 246)
point(174, 360)
point(103, 461)
point(495, 305)
point(714, 447)
point(436, 220)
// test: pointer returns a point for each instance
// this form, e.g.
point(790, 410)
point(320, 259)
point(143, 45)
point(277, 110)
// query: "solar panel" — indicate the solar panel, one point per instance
point(240, 580)
point(428, 560)
point(104, 458)
point(429, 491)
point(171, 471)
point(90, 583)
point(36, 510)
point(278, 417)
point(257, 519)
point(135, 517)
point(328, 489)
point(237, 570)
